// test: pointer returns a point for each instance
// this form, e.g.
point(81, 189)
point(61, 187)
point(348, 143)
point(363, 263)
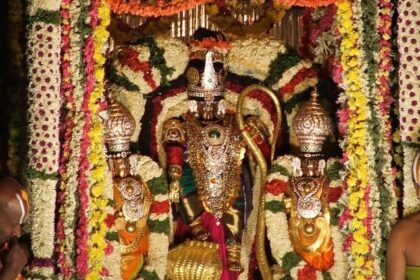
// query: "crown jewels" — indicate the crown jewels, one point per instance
point(312, 126)
point(119, 127)
point(207, 85)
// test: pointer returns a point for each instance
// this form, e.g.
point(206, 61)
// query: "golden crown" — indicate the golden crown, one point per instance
point(312, 126)
point(119, 127)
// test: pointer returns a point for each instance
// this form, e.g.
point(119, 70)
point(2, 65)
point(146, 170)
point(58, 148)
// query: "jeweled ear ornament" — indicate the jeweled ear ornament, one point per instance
point(221, 108)
point(193, 107)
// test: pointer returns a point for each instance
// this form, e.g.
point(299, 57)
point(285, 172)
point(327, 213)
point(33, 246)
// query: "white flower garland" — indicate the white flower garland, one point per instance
point(409, 84)
point(176, 56)
point(158, 242)
point(43, 126)
point(252, 57)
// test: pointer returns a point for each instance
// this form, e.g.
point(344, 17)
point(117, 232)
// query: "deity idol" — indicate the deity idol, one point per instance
point(210, 178)
point(301, 195)
point(132, 196)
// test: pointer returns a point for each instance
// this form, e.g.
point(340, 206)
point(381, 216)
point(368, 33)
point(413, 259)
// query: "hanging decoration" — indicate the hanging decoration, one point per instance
point(221, 16)
point(408, 102)
point(44, 100)
point(305, 3)
point(358, 225)
point(152, 8)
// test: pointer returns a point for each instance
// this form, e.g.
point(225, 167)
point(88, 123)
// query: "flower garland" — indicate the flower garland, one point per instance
point(159, 221)
point(153, 9)
point(67, 93)
point(96, 153)
point(43, 127)
point(355, 222)
point(292, 266)
point(151, 63)
point(270, 62)
point(409, 112)
point(305, 3)
point(408, 40)
point(380, 83)
point(82, 227)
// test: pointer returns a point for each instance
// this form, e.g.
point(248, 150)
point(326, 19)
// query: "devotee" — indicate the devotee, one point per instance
point(404, 241)
point(14, 208)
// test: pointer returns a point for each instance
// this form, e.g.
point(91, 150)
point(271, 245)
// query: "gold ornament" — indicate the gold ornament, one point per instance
point(119, 127)
point(312, 126)
point(194, 260)
point(215, 154)
point(193, 76)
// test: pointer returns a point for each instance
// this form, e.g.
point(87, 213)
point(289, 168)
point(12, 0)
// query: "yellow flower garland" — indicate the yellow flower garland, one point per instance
point(96, 153)
point(356, 141)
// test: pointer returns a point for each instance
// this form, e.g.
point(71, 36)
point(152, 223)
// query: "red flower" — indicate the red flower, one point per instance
point(160, 207)
point(334, 194)
point(109, 249)
point(306, 273)
point(109, 220)
point(104, 272)
point(276, 187)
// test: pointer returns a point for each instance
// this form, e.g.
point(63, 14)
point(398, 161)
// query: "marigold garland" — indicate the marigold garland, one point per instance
point(355, 142)
point(154, 9)
point(305, 3)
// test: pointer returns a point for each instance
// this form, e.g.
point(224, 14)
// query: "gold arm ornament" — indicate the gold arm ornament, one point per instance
point(260, 246)
point(175, 173)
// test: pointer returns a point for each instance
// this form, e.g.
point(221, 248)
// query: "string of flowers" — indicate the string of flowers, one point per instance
point(355, 221)
point(82, 232)
point(305, 3)
point(66, 131)
point(100, 19)
point(383, 104)
point(43, 57)
point(408, 103)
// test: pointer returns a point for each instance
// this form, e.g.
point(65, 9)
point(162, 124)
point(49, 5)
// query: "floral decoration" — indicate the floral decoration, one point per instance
point(153, 8)
point(409, 55)
point(305, 3)
point(160, 60)
point(408, 102)
point(370, 204)
point(159, 221)
point(292, 266)
point(149, 64)
point(43, 57)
